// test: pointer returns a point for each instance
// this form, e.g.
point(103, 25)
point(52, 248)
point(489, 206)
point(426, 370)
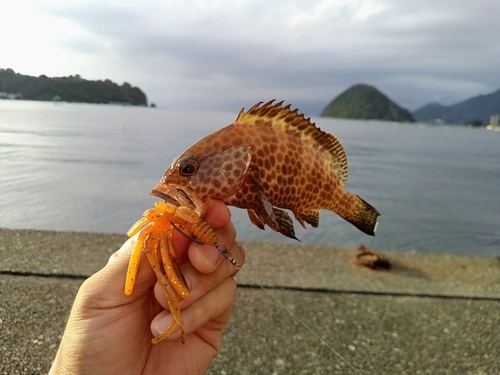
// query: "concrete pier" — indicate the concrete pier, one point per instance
point(320, 314)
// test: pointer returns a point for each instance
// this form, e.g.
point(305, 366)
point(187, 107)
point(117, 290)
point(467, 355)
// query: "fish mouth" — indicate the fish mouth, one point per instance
point(174, 196)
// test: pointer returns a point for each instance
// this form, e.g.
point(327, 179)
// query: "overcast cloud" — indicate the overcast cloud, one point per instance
point(227, 54)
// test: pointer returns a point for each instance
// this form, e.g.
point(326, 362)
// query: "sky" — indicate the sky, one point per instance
point(228, 54)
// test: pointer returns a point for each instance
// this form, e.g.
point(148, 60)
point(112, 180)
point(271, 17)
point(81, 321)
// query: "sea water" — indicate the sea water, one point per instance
point(83, 167)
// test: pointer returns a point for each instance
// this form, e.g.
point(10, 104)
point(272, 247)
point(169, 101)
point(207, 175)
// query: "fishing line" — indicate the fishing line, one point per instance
point(304, 324)
point(224, 250)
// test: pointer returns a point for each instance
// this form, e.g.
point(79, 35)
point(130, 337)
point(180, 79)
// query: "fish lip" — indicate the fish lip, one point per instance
point(165, 197)
point(174, 196)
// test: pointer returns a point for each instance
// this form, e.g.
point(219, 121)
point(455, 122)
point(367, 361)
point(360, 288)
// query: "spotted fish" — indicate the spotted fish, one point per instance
point(271, 158)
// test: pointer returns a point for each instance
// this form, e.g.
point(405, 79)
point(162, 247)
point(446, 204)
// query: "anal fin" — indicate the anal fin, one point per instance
point(310, 217)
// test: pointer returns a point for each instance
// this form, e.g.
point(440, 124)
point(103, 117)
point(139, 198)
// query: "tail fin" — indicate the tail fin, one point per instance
point(363, 216)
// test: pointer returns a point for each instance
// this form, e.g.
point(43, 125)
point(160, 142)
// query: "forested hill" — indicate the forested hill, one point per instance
point(365, 102)
point(68, 89)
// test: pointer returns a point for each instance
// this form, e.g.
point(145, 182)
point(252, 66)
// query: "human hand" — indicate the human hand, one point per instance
point(110, 333)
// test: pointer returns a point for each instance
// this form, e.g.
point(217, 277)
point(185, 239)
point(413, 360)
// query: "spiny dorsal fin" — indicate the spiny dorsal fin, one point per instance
point(295, 124)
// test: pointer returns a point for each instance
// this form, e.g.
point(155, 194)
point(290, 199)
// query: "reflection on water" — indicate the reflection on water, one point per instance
point(90, 168)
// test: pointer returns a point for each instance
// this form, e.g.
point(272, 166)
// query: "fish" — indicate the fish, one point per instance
point(271, 159)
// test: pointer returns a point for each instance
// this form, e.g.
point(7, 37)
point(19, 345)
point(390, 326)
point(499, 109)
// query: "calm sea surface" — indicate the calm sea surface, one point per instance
point(84, 167)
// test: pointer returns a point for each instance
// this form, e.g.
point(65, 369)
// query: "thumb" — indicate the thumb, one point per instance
point(107, 285)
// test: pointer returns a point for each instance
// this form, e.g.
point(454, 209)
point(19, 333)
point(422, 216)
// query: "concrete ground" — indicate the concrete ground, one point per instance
point(320, 313)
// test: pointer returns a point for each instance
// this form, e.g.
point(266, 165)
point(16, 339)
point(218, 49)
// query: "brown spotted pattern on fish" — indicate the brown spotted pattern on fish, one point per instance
point(271, 158)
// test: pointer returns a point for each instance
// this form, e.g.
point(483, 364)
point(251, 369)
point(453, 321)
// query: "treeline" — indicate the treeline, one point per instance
point(68, 89)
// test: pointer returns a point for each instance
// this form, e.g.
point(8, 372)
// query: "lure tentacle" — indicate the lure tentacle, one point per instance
point(155, 239)
point(135, 258)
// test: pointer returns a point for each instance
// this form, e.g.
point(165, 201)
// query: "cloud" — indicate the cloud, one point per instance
point(229, 54)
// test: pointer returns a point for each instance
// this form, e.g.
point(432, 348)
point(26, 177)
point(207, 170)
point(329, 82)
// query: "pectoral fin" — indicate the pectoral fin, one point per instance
point(264, 213)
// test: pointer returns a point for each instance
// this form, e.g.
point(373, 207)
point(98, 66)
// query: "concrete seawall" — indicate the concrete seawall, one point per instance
point(427, 314)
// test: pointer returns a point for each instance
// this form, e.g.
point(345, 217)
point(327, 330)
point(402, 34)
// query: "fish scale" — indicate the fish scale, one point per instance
point(270, 159)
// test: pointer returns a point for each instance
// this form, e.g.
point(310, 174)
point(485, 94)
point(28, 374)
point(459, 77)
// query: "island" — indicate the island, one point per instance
point(68, 89)
point(365, 102)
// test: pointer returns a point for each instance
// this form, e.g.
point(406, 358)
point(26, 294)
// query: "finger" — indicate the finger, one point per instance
point(217, 216)
point(207, 259)
point(124, 249)
point(214, 307)
point(106, 287)
point(200, 283)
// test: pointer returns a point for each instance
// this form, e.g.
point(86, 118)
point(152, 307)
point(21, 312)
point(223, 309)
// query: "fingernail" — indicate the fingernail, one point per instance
point(189, 284)
point(161, 323)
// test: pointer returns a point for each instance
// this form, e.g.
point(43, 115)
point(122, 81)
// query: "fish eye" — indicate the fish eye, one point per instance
point(189, 168)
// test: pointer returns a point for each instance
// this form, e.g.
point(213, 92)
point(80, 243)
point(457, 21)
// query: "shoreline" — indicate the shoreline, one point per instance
point(315, 267)
point(282, 241)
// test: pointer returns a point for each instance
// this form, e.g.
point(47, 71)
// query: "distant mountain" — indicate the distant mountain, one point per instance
point(476, 109)
point(69, 89)
point(365, 102)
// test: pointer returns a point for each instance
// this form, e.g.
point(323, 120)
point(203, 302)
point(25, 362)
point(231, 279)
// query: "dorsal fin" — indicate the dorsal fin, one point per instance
point(296, 125)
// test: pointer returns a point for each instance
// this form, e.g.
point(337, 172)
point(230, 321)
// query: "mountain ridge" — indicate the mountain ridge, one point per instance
point(473, 110)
